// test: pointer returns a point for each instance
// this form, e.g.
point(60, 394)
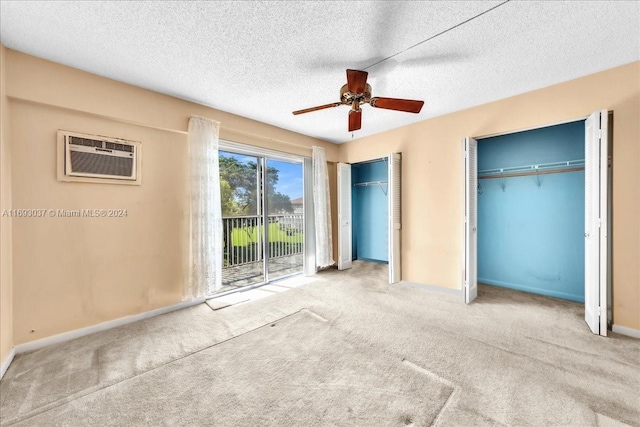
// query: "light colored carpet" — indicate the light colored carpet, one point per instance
point(273, 376)
point(49, 377)
point(508, 359)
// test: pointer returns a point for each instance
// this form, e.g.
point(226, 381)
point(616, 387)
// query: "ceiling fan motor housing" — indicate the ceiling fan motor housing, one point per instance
point(355, 99)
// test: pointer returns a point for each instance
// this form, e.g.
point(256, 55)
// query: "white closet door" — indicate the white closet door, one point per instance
point(596, 222)
point(470, 152)
point(344, 216)
point(395, 218)
point(604, 219)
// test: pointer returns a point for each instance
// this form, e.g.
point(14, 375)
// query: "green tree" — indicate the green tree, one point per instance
point(229, 205)
point(239, 192)
point(242, 187)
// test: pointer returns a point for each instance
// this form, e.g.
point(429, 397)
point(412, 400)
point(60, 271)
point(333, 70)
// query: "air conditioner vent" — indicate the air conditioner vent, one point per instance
point(98, 164)
point(91, 158)
point(85, 142)
point(119, 147)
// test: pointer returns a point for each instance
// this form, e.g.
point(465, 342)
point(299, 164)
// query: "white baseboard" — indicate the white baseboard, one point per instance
point(432, 288)
point(623, 330)
point(67, 336)
point(7, 362)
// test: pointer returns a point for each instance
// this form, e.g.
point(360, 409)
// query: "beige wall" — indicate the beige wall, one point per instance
point(432, 175)
point(70, 273)
point(6, 285)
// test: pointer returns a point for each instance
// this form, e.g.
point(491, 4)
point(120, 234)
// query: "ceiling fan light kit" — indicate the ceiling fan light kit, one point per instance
point(356, 92)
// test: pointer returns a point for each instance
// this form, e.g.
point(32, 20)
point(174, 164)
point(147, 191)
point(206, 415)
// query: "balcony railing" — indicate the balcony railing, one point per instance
point(244, 236)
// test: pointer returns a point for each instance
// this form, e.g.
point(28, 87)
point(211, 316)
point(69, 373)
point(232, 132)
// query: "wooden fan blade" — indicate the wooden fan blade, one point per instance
point(356, 81)
point(355, 120)
point(320, 107)
point(406, 105)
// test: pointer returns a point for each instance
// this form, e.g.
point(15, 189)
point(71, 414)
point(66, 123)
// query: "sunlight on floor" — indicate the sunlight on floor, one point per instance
point(273, 288)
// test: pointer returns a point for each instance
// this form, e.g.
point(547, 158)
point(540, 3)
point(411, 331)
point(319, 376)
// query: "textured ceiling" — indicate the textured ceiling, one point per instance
point(263, 60)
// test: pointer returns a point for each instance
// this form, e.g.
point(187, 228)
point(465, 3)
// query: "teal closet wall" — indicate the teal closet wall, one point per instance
point(531, 237)
point(370, 212)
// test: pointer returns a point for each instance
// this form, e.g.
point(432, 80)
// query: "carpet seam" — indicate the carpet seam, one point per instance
point(454, 388)
point(529, 357)
point(59, 403)
point(314, 314)
point(581, 351)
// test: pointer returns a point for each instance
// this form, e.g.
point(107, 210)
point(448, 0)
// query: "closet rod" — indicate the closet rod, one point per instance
point(368, 183)
point(533, 172)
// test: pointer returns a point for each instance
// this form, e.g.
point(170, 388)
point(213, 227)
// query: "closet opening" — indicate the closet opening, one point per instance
point(531, 211)
point(369, 211)
point(538, 214)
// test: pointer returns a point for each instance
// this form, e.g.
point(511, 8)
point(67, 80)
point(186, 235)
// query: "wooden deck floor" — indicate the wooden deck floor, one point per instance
point(251, 273)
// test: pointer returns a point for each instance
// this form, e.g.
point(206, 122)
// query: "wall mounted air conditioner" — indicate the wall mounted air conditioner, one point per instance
point(98, 159)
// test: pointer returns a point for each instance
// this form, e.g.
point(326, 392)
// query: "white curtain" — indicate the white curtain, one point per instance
point(206, 212)
point(321, 203)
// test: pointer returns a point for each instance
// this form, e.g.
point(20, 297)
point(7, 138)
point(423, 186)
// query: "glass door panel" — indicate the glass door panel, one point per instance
point(284, 205)
point(242, 220)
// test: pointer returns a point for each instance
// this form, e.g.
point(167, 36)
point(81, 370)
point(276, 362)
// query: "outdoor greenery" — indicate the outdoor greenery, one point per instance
point(238, 189)
point(239, 198)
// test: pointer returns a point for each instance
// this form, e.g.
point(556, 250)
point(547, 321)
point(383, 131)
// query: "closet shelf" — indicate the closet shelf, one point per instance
point(372, 183)
point(542, 168)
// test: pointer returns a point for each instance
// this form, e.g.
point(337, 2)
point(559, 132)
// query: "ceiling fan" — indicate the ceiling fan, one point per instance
point(357, 91)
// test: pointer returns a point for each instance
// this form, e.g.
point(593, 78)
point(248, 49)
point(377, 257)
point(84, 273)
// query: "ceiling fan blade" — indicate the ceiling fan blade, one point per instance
point(356, 81)
point(355, 120)
point(320, 107)
point(406, 105)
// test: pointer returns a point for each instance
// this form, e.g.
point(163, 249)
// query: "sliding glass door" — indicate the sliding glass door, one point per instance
point(262, 211)
point(285, 218)
point(240, 194)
